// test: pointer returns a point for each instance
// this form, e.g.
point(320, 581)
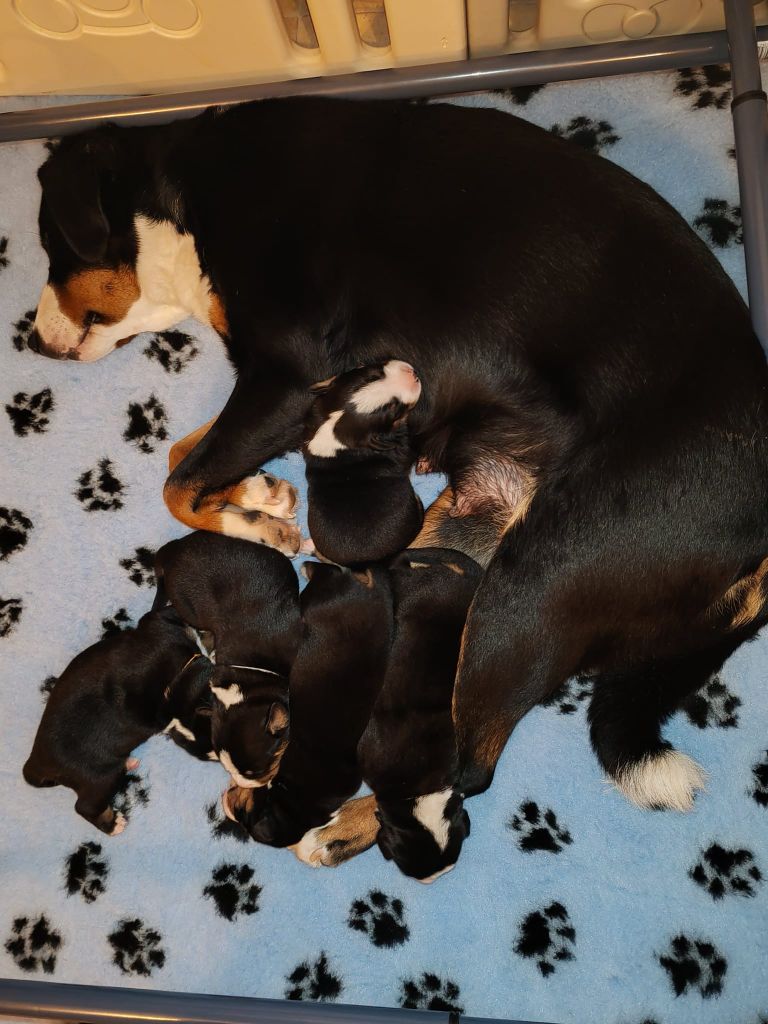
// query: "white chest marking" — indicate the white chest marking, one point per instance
point(228, 695)
point(325, 444)
point(181, 729)
point(429, 811)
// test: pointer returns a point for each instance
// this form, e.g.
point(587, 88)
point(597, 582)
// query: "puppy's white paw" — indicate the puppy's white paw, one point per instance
point(262, 529)
point(131, 764)
point(119, 825)
point(311, 849)
point(667, 780)
point(264, 493)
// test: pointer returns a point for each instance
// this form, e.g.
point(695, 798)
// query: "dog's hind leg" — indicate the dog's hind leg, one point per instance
point(94, 803)
point(351, 830)
point(477, 535)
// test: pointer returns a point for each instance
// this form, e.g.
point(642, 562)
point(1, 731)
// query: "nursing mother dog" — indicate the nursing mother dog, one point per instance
point(591, 383)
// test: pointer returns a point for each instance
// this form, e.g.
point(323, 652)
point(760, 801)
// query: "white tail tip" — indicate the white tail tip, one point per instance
point(667, 780)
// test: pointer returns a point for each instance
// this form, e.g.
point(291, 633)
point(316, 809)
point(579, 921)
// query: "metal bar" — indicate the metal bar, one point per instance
point(90, 1004)
point(750, 128)
point(428, 80)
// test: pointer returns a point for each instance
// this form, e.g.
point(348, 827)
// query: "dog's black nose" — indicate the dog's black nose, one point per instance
point(34, 341)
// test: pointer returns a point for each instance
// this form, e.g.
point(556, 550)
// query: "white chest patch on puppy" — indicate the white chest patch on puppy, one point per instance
point(429, 811)
point(228, 695)
point(227, 764)
point(182, 730)
point(325, 444)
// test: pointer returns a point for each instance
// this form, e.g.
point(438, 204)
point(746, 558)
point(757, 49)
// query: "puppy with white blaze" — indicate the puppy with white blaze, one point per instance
point(358, 455)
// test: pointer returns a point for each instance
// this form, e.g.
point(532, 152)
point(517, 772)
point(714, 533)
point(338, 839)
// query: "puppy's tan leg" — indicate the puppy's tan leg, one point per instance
point(351, 830)
point(476, 535)
point(181, 449)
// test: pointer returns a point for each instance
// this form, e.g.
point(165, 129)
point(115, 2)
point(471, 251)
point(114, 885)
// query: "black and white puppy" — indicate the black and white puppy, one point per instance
point(247, 596)
point(408, 752)
point(347, 633)
point(362, 507)
point(109, 700)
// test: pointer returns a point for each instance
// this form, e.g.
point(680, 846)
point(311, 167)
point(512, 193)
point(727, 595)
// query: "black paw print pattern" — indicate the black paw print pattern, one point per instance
point(520, 94)
point(585, 132)
point(708, 86)
point(146, 424)
point(29, 413)
point(381, 918)
point(14, 531)
point(713, 705)
point(694, 964)
point(537, 830)
point(172, 349)
point(140, 567)
point(46, 687)
point(85, 872)
point(222, 826)
point(34, 944)
point(567, 699)
point(10, 614)
point(431, 993)
point(548, 937)
point(136, 948)
point(133, 793)
point(719, 223)
point(99, 489)
point(22, 330)
point(116, 623)
point(313, 981)
point(722, 871)
point(4, 261)
point(760, 775)
point(233, 891)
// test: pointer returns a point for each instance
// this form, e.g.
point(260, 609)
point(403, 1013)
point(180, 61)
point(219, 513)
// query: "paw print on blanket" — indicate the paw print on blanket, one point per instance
point(136, 948)
point(14, 531)
point(146, 424)
point(232, 890)
point(172, 349)
point(29, 413)
point(587, 133)
point(140, 567)
point(10, 614)
point(381, 918)
point(99, 489)
point(520, 94)
point(760, 775)
point(713, 705)
point(222, 826)
point(431, 993)
point(85, 872)
point(719, 223)
point(567, 699)
point(548, 937)
point(722, 871)
point(34, 944)
point(537, 830)
point(133, 793)
point(4, 261)
point(694, 964)
point(315, 982)
point(22, 329)
point(708, 86)
point(120, 621)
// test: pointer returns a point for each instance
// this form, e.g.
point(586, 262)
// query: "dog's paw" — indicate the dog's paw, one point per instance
point(259, 528)
point(350, 831)
point(119, 824)
point(263, 492)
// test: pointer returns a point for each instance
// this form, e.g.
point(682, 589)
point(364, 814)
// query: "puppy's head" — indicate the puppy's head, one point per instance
point(365, 408)
point(250, 725)
point(106, 260)
point(270, 816)
point(188, 704)
point(423, 835)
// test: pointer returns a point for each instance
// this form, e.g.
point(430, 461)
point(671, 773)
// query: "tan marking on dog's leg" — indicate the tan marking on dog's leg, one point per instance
point(256, 494)
point(217, 316)
point(181, 449)
point(428, 535)
point(747, 596)
point(351, 831)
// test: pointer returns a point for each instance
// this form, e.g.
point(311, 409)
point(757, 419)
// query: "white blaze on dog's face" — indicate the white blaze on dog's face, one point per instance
point(399, 382)
point(237, 777)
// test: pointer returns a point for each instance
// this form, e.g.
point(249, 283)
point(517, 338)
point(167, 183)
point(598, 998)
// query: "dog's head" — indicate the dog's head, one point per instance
point(365, 408)
point(271, 816)
point(188, 706)
point(118, 262)
point(250, 725)
point(423, 835)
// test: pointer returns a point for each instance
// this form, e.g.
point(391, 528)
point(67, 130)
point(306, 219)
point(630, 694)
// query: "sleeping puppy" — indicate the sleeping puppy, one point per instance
point(189, 705)
point(247, 596)
point(347, 633)
point(108, 701)
point(362, 507)
point(408, 754)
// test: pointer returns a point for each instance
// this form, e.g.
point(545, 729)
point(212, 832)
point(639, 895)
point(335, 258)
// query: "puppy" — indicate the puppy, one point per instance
point(247, 596)
point(407, 753)
point(362, 507)
point(109, 700)
point(338, 671)
point(188, 702)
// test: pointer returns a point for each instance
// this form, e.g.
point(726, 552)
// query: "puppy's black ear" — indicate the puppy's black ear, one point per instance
point(277, 719)
point(71, 180)
point(322, 385)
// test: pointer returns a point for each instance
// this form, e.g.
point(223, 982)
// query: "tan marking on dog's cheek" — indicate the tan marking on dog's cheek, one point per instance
point(217, 316)
point(747, 597)
point(110, 293)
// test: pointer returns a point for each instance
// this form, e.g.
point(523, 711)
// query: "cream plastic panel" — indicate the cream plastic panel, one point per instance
point(125, 46)
point(509, 26)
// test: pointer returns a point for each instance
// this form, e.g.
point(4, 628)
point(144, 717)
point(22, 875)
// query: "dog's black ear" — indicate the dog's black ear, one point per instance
point(322, 385)
point(71, 180)
point(277, 719)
